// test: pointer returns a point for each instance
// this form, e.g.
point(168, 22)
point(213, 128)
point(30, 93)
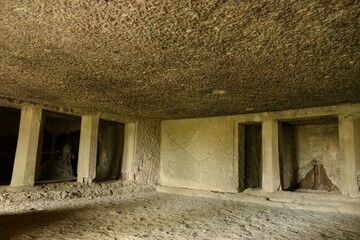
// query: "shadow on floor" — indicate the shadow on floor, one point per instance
point(13, 225)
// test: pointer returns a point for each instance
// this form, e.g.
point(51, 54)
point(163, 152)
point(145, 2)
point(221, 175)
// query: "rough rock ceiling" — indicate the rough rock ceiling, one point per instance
point(183, 58)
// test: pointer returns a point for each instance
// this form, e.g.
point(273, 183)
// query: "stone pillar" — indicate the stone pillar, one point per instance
point(28, 149)
point(240, 153)
point(270, 153)
point(129, 151)
point(349, 140)
point(88, 149)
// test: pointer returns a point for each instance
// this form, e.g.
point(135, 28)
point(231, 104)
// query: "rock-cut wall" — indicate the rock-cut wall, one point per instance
point(199, 154)
point(146, 165)
point(308, 145)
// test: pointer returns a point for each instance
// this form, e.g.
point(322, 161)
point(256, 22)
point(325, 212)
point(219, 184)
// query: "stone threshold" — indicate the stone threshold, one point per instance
point(69, 190)
point(299, 200)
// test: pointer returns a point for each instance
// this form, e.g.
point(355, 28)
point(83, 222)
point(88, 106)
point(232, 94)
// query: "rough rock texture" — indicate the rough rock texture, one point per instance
point(60, 168)
point(165, 216)
point(199, 154)
point(146, 165)
point(57, 123)
point(173, 59)
point(317, 179)
point(59, 191)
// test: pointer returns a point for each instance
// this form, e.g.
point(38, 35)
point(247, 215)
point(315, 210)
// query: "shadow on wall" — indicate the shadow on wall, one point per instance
point(110, 150)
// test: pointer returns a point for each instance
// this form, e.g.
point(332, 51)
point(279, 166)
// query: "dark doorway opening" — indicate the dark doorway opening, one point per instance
point(250, 156)
point(9, 132)
point(309, 154)
point(60, 148)
point(110, 150)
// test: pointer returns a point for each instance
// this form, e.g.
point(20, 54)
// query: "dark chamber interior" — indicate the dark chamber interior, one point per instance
point(9, 131)
point(250, 156)
point(309, 154)
point(110, 150)
point(60, 148)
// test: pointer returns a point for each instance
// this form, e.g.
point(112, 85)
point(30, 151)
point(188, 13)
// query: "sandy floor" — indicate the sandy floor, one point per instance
point(166, 216)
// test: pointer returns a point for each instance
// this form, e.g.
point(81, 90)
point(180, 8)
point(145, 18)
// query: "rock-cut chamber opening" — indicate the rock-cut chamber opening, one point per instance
point(60, 148)
point(9, 131)
point(110, 150)
point(250, 156)
point(309, 154)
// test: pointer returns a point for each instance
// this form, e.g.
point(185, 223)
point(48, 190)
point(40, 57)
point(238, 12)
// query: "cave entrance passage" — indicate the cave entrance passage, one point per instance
point(60, 148)
point(9, 132)
point(250, 156)
point(309, 154)
point(110, 150)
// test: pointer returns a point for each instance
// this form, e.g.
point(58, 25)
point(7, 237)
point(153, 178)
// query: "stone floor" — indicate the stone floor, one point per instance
point(166, 216)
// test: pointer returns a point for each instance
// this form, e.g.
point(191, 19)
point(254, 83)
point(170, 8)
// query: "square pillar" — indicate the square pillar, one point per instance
point(88, 149)
point(349, 137)
point(129, 151)
point(28, 147)
point(270, 153)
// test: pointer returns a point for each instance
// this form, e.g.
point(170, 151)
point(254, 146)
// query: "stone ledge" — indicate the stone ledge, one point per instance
point(69, 190)
point(309, 201)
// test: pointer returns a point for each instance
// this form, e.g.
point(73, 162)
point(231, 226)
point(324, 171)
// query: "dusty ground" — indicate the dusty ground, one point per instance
point(165, 216)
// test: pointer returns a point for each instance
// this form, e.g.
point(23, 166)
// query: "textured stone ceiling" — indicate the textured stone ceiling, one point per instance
point(174, 59)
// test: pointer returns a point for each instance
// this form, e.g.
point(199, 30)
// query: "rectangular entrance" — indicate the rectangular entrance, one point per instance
point(110, 150)
point(309, 154)
point(250, 159)
point(60, 148)
point(9, 131)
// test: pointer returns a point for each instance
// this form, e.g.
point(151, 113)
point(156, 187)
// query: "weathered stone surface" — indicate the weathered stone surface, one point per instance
point(270, 156)
point(59, 169)
point(86, 168)
point(349, 132)
point(206, 153)
point(146, 163)
point(167, 59)
point(199, 153)
point(304, 145)
point(57, 191)
point(26, 163)
point(317, 179)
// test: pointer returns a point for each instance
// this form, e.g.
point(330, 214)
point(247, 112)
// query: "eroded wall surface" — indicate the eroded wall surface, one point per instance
point(306, 145)
point(199, 153)
point(146, 165)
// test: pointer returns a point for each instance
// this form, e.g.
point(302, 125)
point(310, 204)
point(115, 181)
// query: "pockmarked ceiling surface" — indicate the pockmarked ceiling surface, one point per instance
point(183, 58)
